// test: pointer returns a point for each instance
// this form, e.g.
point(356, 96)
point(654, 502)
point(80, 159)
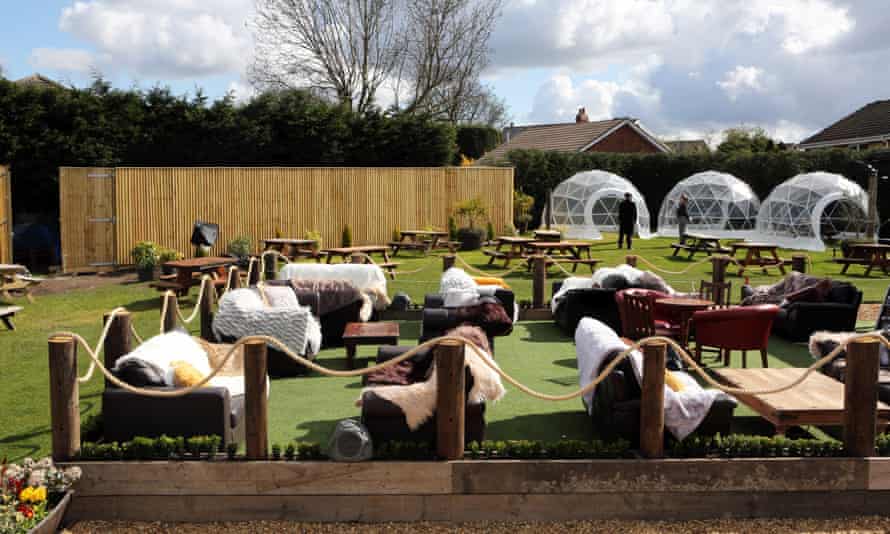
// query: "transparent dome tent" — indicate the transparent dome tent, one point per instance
point(808, 208)
point(587, 203)
point(718, 204)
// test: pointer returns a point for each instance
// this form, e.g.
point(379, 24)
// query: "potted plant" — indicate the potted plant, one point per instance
point(145, 257)
point(240, 248)
point(314, 235)
point(470, 211)
point(165, 255)
point(34, 496)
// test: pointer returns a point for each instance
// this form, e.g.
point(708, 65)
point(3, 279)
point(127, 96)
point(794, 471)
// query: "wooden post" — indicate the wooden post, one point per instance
point(256, 408)
point(206, 306)
point(719, 264)
point(861, 397)
point(448, 261)
point(254, 274)
point(357, 258)
point(119, 340)
point(171, 316)
point(652, 400)
point(64, 398)
point(631, 260)
point(450, 400)
point(234, 280)
point(270, 265)
point(540, 280)
point(799, 263)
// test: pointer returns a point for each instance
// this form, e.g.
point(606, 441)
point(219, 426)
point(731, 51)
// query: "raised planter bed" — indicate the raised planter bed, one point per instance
point(482, 490)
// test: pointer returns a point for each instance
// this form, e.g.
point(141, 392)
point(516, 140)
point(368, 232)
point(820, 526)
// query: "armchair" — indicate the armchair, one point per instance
point(739, 328)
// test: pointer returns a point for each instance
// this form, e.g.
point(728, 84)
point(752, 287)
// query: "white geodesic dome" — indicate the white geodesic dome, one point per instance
point(808, 208)
point(718, 204)
point(587, 203)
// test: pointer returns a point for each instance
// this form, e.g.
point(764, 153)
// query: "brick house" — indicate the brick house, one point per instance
point(865, 128)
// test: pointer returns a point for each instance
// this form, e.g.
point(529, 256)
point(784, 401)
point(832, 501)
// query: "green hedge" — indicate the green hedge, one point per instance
point(655, 174)
point(475, 140)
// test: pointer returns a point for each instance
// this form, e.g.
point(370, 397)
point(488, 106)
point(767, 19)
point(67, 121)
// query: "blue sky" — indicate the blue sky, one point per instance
point(685, 68)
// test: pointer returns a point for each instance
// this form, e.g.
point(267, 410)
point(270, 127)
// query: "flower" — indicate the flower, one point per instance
point(33, 495)
point(25, 510)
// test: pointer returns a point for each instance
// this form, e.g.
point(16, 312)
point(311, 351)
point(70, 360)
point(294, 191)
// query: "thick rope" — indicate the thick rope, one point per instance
point(100, 345)
point(486, 273)
point(684, 271)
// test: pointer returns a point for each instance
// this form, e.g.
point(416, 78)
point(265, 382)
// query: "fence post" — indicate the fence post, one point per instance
point(861, 397)
point(208, 299)
point(652, 400)
point(448, 262)
point(631, 260)
point(170, 314)
point(270, 265)
point(254, 278)
point(719, 264)
point(256, 408)
point(119, 340)
point(234, 279)
point(64, 398)
point(450, 400)
point(799, 263)
point(539, 282)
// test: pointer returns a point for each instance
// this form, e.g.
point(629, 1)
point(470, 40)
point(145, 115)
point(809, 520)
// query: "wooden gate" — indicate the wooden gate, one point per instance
point(87, 218)
point(5, 215)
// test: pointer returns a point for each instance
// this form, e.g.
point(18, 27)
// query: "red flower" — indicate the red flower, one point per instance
point(26, 510)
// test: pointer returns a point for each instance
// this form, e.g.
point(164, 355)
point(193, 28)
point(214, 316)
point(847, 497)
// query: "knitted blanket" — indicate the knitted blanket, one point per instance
point(326, 296)
point(683, 410)
point(244, 312)
point(369, 279)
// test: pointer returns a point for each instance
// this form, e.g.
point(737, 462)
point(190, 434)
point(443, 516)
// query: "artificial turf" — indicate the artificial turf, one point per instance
point(306, 408)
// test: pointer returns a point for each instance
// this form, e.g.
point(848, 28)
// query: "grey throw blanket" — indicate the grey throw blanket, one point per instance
point(325, 296)
point(775, 293)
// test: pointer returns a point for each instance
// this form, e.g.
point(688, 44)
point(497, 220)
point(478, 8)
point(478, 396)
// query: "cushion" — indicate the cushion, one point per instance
point(490, 281)
point(185, 374)
point(614, 281)
point(670, 380)
point(139, 373)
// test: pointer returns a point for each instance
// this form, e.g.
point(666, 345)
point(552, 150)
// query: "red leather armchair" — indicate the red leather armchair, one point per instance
point(741, 328)
point(664, 323)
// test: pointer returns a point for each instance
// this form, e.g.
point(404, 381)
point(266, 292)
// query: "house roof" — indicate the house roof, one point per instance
point(566, 137)
point(38, 80)
point(688, 146)
point(872, 120)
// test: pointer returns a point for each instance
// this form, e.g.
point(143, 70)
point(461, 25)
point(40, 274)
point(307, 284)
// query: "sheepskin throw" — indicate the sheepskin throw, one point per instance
point(243, 312)
point(570, 283)
point(418, 400)
point(159, 352)
point(683, 410)
point(369, 279)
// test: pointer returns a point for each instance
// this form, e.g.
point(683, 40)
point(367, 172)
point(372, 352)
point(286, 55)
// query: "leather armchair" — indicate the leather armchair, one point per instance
point(576, 304)
point(737, 328)
point(436, 319)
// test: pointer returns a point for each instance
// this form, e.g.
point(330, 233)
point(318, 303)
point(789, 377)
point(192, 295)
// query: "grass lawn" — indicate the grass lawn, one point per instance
point(308, 407)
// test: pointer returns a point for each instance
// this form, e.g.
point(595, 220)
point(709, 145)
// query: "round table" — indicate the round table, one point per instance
point(684, 308)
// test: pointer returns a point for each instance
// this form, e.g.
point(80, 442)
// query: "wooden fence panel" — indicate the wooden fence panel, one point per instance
point(5, 215)
point(161, 204)
point(87, 218)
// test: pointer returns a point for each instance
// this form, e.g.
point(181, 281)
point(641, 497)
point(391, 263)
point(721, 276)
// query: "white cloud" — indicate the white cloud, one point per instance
point(741, 80)
point(70, 60)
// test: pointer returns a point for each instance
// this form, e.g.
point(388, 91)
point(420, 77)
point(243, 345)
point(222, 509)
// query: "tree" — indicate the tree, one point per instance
point(744, 139)
point(341, 48)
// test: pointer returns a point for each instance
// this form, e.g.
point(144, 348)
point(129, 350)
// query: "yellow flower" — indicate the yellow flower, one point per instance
point(39, 494)
point(33, 495)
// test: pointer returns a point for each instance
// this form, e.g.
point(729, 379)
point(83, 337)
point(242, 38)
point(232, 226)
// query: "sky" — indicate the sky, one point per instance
point(685, 68)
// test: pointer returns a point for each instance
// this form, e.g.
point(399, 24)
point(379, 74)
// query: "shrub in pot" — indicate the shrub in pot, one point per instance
point(165, 255)
point(314, 235)
point(240, 248)
point(470, 211)
point(145, 257)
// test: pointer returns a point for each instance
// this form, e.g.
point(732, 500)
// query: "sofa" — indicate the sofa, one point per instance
point(822, 343)
point(333, 321)
point(386, 422)
point(576, 304)
point(493, 315)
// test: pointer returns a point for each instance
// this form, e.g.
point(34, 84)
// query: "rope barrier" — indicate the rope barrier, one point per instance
point(100, 344)
point(684, 271)
point(486, 273)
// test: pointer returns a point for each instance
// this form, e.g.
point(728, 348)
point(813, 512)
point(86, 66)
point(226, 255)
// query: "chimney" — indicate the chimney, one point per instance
point(581, 116)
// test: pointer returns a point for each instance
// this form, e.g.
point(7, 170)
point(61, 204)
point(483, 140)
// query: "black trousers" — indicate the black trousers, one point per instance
point(625, 232)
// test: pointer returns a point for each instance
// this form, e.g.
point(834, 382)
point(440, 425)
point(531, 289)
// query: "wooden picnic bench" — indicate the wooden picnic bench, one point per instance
point(700, 243)
point(16, 279)
point(870, 255)
point(754, 256)
point(422, 240)
point(7, 313)
point(514, 249)
point(186, 271)
point(367, 250)
point(561, 251)
point(294, 248)
point(574, 262)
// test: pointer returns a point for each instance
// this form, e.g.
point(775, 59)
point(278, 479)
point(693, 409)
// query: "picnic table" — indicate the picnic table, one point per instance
point(186, 270)
point(15, 278)
point(293, 248)
point(367, 250)
point(514, 249)
point(571, 252)
point(700, 243)
point(818, 400)
point(870, 255)
point(754, 256)
point(423, 240)
point(547, 235)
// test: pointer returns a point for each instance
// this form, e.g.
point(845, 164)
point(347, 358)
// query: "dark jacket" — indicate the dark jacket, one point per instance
point(627, 214)
point(681, 211)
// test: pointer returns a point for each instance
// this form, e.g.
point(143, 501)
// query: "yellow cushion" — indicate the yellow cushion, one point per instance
point(490, 281)
point(671, 380)
point(185, 374)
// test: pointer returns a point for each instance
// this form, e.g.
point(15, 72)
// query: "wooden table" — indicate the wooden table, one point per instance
point(15, 278)
point(754, 256)
point(566, 252)
point(292, 247)
point(423, 240)
point(684, 308)
point(376, 333)
point(547, 235)
point(514, 249)
point(870, 255)
point(347, 252)
point(186, 269)
point(818, 400)
point(700, 243)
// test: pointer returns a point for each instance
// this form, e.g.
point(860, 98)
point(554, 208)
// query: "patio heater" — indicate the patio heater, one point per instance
point(204, 234)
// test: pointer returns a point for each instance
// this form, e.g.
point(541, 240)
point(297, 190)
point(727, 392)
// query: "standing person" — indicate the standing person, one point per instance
point(682, 218)
point(627, 220)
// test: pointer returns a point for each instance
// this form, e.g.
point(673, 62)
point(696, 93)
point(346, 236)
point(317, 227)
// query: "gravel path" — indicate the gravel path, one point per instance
point(852, 525)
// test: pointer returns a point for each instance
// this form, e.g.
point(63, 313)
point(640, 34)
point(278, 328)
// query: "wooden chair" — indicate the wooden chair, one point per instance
point(636, 307)
point(718, 292)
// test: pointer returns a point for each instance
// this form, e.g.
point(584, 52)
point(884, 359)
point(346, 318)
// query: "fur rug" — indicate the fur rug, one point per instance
point(822, 343)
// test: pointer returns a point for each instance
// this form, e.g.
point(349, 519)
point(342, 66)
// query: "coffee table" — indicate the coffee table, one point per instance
point(684, 308)
point(818, 400)
point(377, 333)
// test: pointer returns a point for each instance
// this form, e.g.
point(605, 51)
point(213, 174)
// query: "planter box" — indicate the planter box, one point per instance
point(53, 521)
point(483, 490)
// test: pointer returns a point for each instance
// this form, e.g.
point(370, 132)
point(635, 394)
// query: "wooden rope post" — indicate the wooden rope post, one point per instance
point(171, 313)
point(652, 400)
point(208, 299)
point(631, 260)
point(64, 398)
point(270, 265)
point(119, 340)
point(448, 261)
point(256, 407)
point(799, 263)
point(357, 258)
point(861, 397)
point(718, 275)
point(539, 282)
point(254, 274)
point(234, 279)
point(450, 400)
